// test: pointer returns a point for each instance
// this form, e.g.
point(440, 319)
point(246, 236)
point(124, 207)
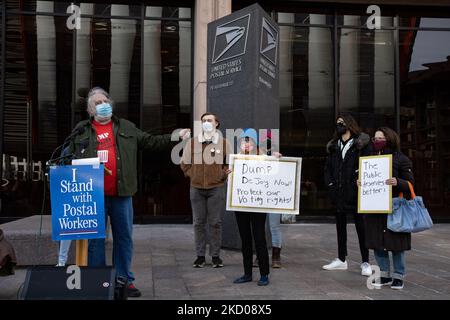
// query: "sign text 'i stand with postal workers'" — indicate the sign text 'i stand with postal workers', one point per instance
point(77, 199)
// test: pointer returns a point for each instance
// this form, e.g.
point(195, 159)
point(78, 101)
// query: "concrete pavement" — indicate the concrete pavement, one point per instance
point(164, 254)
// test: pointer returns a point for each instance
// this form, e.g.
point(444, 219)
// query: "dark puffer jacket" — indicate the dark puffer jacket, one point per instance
point(378, 236)
point(341, 174)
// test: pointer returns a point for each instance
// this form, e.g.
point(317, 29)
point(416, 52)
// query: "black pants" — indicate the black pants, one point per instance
point(341, 228)
point(255, 223)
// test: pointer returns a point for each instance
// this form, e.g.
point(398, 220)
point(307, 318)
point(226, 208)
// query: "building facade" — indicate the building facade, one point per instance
point(151, 56)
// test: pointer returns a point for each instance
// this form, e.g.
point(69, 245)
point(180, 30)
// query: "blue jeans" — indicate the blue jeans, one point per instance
point(120, 211)
point(64, 246)
point(398, 259)
point(275, 230)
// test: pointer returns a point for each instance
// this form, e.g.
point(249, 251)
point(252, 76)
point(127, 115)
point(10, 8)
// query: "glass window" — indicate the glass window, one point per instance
point(3, 180)
point(40, 6)
point(307, 105)
point(39, 112)
point(361, 21)
point(304, 18)
point(39, 99)
point(37, 106)
point(167, 91)
point(418, 21)
point(167, 73)
point(108, 56)
point(358, 17)
point(367, 76)
point(1, 58)
point(425, 112)
point(168, 12)
point(107, 9)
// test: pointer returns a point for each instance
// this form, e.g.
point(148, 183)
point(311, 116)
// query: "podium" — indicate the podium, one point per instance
point(81, 253)
point(77, 203)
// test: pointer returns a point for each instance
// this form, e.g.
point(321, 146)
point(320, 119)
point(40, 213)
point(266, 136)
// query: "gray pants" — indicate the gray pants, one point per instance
point(207, 208)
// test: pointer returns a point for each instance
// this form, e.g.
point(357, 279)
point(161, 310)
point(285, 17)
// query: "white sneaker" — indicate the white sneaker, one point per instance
point(336, 264)
point(366, 269)
point(60, 264)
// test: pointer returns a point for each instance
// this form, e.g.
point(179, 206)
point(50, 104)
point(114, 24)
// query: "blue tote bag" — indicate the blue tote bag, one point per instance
point(409, 215)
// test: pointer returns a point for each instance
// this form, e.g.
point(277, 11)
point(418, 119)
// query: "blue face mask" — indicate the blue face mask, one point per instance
point(104, 110)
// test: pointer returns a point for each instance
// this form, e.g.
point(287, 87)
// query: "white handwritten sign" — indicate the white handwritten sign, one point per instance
point(264, 184)
point(374, 196)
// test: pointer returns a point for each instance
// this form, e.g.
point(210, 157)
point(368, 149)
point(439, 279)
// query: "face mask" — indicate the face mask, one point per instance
point(340, 129)
point(379, 145)
point(207, 127)
point(247, 147)
point(104, 110)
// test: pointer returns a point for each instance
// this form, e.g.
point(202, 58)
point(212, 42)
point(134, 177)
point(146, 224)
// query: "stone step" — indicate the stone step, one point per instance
point(32, 241)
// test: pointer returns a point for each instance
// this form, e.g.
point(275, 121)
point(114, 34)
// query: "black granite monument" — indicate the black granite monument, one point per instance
point(242, 87)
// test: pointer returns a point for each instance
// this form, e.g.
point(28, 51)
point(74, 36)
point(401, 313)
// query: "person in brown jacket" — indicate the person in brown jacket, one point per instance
point(205, 163)
point(7, 257)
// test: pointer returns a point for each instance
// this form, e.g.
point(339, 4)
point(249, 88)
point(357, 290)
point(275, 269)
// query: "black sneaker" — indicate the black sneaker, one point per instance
point(132, 291)
point(383, 282)
point(217, 262)
point(199, 262)
point(397, 284)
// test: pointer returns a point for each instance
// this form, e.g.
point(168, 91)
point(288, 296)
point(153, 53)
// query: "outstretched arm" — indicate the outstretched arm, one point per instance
point(186, 161)
point(161, 142)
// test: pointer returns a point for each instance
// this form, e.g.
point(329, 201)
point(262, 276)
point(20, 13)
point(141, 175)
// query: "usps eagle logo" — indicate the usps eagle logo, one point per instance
point(230, 40)
point(269, 41)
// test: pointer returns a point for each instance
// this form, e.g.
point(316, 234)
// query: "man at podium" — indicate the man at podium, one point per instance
point(116, 142)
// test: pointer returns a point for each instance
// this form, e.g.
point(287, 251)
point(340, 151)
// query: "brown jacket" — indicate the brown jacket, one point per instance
point(7, 257)
point(205, 164)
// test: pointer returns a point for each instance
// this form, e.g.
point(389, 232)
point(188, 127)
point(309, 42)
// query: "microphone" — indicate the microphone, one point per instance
point(84, 145)
point(74, 133)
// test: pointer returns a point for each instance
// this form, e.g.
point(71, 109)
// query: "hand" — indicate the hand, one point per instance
point(108, 172)
point(277, 155)
point(358, 183)
point(185, 133)
point(391, 181)
point(227, 171)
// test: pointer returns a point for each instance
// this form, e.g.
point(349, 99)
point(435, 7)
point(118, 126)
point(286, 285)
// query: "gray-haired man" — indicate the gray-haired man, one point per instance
point(116, 141)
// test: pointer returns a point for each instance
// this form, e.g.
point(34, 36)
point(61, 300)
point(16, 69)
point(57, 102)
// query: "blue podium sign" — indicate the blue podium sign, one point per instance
point(77, 200)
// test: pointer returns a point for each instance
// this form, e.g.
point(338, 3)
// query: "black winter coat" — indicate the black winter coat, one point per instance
point(378, 236)
point(341, 174)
